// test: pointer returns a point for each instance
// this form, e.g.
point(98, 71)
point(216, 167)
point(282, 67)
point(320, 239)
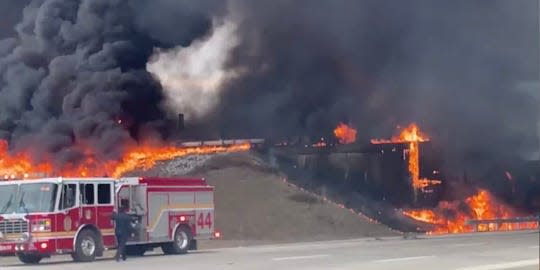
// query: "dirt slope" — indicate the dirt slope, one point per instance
point(254, 204)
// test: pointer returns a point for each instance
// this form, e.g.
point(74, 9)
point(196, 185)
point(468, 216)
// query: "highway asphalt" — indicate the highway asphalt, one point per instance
point(482, 251)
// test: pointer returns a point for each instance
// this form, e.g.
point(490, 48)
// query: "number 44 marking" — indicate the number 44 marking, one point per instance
point(203, 221)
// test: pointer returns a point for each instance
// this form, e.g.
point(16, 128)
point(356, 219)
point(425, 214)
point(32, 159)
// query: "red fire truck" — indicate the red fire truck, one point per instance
point(47, 216)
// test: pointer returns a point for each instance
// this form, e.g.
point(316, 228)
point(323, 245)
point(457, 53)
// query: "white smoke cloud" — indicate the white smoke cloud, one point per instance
point(192, 76)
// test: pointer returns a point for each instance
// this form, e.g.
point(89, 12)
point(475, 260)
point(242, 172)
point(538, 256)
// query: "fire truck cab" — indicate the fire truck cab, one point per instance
point(48, 216)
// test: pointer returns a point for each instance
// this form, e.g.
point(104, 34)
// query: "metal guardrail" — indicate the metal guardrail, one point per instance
point(497, 223)
point(221, 142)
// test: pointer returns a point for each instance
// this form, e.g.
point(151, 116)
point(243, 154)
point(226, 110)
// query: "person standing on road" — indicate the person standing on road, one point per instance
point(122, 231)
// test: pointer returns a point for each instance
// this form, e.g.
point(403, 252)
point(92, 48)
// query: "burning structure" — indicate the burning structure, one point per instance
point(406, 172)
point(412, 137)
point(385, 168)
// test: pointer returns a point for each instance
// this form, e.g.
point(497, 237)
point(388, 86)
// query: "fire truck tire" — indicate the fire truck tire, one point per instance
point(181, 243)
point(29, 258)
point(85, 247)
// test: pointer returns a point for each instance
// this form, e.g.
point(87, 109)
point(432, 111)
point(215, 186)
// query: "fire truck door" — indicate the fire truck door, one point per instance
point(104, 210)
point(88, 202)
point(67, 221)
point(135, 198)
point(138, 201)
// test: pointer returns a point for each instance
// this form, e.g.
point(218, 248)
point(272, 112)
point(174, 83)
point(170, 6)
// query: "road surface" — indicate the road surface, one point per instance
point(484, 251)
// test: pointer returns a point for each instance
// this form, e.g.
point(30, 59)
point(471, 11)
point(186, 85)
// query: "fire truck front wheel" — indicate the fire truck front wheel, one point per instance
point(29, 258)
point(85, 247)
point(181, 243)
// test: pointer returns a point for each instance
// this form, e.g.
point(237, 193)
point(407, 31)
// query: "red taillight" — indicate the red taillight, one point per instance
point(1, 218)
point(217, 234)
point(183, 218)
point(44, 245)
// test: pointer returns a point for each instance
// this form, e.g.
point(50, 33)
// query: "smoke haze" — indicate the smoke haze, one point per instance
point(465, 71)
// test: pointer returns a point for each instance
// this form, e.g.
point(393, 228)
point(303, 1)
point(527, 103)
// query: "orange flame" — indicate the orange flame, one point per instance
point(410, 134)
point(142, 156)
point(449, 217)
point(413, 137)
point(345, 134)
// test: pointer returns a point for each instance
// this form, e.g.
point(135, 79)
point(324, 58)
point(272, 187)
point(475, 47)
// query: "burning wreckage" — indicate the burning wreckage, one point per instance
point(402, 174)
point(389, 179)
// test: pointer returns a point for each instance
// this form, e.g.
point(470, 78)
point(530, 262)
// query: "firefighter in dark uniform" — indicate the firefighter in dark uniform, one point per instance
point(123, 230)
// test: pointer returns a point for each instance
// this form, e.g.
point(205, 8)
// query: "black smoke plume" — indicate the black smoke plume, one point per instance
point(73, 77)
point(465, 71)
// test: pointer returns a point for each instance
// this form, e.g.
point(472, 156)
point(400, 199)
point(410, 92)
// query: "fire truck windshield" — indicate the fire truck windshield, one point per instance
point(27, 198)
point(7, 197)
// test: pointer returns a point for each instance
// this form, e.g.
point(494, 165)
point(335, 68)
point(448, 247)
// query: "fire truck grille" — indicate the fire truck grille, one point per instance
point(13, 226)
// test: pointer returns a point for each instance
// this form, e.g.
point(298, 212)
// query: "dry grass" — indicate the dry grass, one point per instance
point(254, 205)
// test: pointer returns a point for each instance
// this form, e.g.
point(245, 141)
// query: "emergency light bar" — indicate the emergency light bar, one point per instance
point(13, 176)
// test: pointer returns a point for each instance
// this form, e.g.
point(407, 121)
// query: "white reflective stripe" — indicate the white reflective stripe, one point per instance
point(507, 265)
point(403, 259)
point(301, 257)
point(52, 238)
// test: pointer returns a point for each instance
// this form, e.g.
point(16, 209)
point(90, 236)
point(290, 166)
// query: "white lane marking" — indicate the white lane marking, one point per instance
point(319, 247)
point(294, 246)
point(533, 247)
point(508, 265)
point(467, 245)
point(403, 259)
point(301, 257)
